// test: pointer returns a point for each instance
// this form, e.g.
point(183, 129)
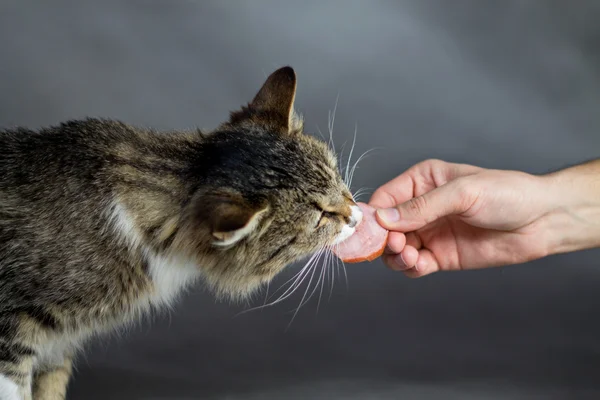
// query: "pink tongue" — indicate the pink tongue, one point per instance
point(367, 243)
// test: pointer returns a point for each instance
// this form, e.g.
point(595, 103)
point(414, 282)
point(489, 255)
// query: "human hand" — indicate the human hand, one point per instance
point(444, 216)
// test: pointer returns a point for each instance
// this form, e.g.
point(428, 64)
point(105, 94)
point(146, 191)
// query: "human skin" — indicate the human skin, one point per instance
point(444, 216)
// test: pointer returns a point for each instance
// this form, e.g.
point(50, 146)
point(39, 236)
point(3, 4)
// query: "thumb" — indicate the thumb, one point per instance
point(449, 199)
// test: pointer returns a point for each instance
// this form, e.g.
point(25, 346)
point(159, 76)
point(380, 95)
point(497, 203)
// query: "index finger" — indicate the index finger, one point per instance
point(397, 191)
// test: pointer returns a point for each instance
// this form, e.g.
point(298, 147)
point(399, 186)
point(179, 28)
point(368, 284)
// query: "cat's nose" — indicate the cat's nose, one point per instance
point(353, 222)
point(355, 217)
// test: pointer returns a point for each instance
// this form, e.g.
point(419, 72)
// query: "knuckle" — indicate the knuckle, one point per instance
point(466, 193)
point(383, 198)
point(433, 161)
point(418, 205)
point(436, 165)
point(428, 164)
point(463, 188)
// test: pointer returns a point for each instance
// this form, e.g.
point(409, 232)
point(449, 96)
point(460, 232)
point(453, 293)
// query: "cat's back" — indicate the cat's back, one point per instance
point(53, 196)
point(47, 175)
point(69, 150)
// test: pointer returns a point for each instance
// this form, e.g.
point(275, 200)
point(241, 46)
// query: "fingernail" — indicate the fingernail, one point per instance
point(402, 259)
point(398, 263)
point(389, 214)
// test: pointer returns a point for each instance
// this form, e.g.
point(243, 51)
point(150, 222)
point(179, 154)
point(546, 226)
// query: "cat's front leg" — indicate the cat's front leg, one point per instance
point(51, 383)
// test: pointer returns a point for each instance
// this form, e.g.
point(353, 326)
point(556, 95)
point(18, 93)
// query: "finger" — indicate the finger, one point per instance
point(455, 197)
point(410, 256)
point(395, 243)
point(402, 261)
point(394, 262)
point(412, 239)
point(454, 171)
point(426, 264)
point(401, 188)
point(396, 191)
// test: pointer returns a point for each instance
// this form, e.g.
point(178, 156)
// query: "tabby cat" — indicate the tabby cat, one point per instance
point(101, 221)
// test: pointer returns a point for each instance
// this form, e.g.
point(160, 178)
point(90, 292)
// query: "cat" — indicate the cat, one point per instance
point(101, 221)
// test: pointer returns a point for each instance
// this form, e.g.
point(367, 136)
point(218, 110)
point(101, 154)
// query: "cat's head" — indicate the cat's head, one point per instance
point(269, 195)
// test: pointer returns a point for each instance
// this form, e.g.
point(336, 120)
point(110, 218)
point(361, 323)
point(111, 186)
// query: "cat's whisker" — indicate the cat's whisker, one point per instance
point(345, 274)
point(337, 265)
point(340, 159)
point(323, 279)
point(319, 281)
point(320, 133)
point(357, 161)
point(297, 283)
point(346, 180)
point(343, 269)
point(331, 122)
point(297, 275)
point(331, 270)
point(267, 292)
point(300, 277)
point(302, 302)
point(359, 193)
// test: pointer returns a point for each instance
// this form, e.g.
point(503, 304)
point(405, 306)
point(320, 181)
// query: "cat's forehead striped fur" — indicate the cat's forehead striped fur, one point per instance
point(261, 163)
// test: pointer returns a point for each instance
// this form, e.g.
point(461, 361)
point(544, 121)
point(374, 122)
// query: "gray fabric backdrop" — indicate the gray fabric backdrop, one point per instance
point(508, 84)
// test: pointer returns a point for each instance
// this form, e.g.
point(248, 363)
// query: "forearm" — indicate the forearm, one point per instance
point(574, 223)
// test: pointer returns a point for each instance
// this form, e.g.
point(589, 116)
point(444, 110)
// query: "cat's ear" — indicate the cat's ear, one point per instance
point(277, 94)
point(273, 105)
point(231, 218)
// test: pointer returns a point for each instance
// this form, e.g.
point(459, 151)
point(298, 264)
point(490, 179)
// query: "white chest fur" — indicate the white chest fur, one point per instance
point(8, 389)
point(169, 275)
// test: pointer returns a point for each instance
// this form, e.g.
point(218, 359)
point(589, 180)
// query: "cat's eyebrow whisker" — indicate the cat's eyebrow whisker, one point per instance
point(320, 133)
point(355, 165)
point(347, 181)
point(340, 159)
point(331, 121)
point(357, 161)
point(360, 192)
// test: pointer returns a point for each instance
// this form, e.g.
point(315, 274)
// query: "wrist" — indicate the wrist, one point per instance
point(573, 222)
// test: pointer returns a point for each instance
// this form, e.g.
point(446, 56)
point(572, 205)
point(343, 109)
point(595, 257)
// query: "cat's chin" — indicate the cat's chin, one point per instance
point(237, 290)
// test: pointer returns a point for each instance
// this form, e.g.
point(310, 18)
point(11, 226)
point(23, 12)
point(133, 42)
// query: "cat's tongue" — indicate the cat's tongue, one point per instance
point(367, 243)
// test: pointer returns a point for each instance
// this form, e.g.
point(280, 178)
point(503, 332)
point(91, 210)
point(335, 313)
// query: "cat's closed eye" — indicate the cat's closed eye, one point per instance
point(325, 217)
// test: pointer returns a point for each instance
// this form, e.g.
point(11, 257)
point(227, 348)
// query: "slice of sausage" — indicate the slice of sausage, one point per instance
point(368, 241)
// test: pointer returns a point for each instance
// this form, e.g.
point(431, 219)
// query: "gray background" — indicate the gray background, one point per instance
point(503, 84)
